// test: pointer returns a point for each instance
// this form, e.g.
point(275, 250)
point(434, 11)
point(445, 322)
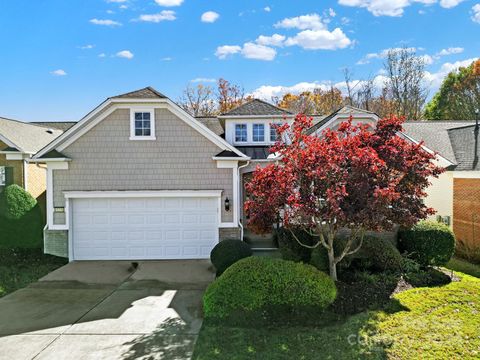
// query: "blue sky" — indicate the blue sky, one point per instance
point(59, 58)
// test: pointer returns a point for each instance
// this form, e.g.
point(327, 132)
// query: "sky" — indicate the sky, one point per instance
point(59, 59)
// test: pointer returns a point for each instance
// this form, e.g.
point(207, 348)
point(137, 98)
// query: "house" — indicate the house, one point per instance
point(139, 178)
point(18, 142)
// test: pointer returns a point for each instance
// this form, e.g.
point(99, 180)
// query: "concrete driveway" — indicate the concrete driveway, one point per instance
point(107, 310)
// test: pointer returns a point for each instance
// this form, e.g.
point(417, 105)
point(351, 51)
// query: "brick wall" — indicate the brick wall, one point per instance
point(466, 211)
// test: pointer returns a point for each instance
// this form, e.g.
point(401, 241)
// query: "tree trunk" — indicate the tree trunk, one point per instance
point(332, 264)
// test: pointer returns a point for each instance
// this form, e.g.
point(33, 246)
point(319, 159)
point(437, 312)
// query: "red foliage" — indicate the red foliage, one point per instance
point(357, 177)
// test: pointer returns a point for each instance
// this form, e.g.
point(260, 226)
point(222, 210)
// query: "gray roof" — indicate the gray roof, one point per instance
point(435, 135)
point(58, 125)
point(466, 146)
point(145, 93)
point(257, 107)
point(255, 152)
point(347, 109)
point(212, 123)
point(26, 137)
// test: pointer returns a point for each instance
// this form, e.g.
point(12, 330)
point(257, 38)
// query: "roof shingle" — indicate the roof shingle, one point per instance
point(145, 93)
point(257, 107)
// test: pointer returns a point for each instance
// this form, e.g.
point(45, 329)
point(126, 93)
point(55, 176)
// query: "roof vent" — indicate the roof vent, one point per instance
point(50, 131)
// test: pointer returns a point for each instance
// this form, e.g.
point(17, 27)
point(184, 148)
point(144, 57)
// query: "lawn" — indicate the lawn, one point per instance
point(22, 267)
point(427, 323)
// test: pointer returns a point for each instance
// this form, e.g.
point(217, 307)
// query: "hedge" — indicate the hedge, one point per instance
point(228, 252)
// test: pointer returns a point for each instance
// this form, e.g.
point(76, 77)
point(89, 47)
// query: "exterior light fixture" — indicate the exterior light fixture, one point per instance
point(227, 204)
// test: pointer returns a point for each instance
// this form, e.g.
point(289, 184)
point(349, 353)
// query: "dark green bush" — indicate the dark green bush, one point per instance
point(291, 249)
point(259, 284)
point(377, 254)
point(427, 278)
point(21, 219)
point(429, 243)
point(319, 259)
point(228, 252)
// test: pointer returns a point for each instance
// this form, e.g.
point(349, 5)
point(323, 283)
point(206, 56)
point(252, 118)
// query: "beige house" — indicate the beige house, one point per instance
point(18, 142)
point(139, 178)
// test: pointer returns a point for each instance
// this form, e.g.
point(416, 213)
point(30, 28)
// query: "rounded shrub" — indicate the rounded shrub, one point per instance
point(319, 259)
point(15, 202)
point(378, 254)
point(289, 247)
point(21, 219)
point(429, 243)
point(262, 284)
point(227, 253)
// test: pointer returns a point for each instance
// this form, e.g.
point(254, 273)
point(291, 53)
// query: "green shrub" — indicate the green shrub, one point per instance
point(228, 252)
point(15, 202)
point(429, 243)
point(291, 249)
point(259, 284)
point(377, 254)
point(21, 219)
point(319, 259)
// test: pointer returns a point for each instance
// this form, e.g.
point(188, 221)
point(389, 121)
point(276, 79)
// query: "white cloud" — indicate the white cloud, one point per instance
point(447, 4)
point(210, 17)
point(394, 7)
point(123, 7)
point(203, 80)
point(435, 79)
point(258, 52)
point(476, 13)
point(168, 58)
point(267, 9)
point(116, 1)
point(102, 55)
point(59, 72)
point(383, 54)
point(450, 51)
point(320, 39)
point(87, 47)
point(224, 51)
point(274, 40)
point(126, 54)
point(168, 3)
point(332, 12)
point(105, 22)
point(164, 15)
point(310, 21)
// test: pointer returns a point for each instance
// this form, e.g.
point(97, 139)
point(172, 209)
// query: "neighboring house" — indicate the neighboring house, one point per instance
point(456, 194)
point(18, 142)
point(139, 178)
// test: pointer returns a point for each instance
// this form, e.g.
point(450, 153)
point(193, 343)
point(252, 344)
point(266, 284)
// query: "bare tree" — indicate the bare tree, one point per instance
point(229, 95)
point(198, 100)
point(406, 84)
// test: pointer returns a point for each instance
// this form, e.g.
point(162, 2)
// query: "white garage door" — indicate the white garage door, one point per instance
point(144, 228)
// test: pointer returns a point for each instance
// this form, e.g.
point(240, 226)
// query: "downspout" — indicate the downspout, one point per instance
point(239, 201)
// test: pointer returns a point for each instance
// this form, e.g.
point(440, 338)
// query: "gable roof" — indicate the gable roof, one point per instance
point(145, 93)
point(111, 104)
point(257, 107)
point(435, 135)
point(466, 147)
point(26, 137)
point(213, 123)
point(347, 109)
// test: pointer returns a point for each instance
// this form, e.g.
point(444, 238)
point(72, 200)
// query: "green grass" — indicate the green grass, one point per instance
point(426, 323)
point(460, 265)
point(18, 268)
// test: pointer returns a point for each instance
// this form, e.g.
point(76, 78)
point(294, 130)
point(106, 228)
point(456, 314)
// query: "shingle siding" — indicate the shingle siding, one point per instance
point(105, 159)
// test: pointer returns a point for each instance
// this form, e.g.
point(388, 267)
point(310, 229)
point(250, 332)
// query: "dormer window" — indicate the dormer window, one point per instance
point(258, 133)
point(142, 124)
point(241, 133)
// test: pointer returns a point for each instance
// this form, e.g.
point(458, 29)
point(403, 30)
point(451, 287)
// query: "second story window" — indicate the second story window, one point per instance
point(274, 132)
point(142, 125)
point(240, 133)
point(258, 132)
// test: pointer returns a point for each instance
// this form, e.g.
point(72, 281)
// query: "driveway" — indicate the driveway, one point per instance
point(107, 310)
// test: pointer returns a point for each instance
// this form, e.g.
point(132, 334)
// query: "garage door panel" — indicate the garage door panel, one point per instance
point(144, 228)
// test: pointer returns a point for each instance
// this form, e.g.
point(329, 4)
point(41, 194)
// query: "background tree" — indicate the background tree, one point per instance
point(354, 177)
point(458, 96)
point(229, 96)
point(406, 82)
point(316, 102)
point(198, 100)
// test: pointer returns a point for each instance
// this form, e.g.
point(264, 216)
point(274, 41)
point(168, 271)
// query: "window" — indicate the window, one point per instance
point(274, 132)
point(240, 133)
point(142, 125)
point(258, 132)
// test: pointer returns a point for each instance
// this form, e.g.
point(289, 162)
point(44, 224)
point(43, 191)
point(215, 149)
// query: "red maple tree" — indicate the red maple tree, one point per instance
point(355, 177)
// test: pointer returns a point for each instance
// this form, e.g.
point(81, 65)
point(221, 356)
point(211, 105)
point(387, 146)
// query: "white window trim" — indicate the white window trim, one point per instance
point(235, 133)
point(259, 141)
point(151, 111)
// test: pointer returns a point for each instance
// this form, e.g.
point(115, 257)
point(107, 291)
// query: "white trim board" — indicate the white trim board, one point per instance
point(141, 193)
point(466, 174)
point(89, 121)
